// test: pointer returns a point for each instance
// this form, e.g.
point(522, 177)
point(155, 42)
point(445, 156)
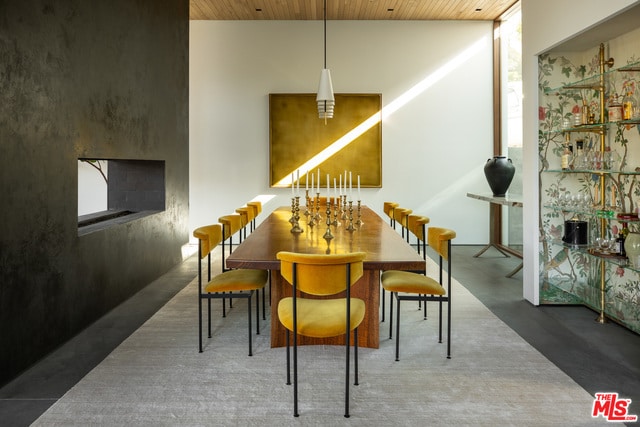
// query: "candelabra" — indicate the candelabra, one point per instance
point(317, 216)
point(338, 202)
point(359, 221)
point(327, 234)
point(350, 227)
point(306, 204)
point(344, 206)
point(295, 215)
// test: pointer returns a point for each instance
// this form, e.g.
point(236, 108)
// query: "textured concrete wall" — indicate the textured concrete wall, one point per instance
point(91, 79)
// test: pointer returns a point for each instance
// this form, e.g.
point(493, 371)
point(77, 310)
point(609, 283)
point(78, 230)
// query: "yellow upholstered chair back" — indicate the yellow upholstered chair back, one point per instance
point(416, 225)
point(319, 274)
point(231, 224)
point(400, 215)
point(246, 214)
point(209, 236)
point(438, 239)
point(388, 207)
point(257, 207)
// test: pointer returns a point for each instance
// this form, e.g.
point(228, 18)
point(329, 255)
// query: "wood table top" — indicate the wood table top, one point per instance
point(385, 248)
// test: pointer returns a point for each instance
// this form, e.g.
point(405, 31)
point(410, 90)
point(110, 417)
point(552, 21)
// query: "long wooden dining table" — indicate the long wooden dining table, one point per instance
point(385, 249)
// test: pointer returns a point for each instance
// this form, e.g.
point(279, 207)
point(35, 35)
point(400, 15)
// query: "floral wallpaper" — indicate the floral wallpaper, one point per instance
point(599, 181)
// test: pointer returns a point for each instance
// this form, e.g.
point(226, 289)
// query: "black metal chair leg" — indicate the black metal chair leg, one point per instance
point(257, 311)
point(249, 316)
point(295, 375)
point(383, 293)
point(199, 322)
point(398, 332)
point(209, 316)
point(440, 323)
point(346, 382)
point(391, 314)
point(449, 328)
point(355, 354)
point(264, 309)
point(288, 359)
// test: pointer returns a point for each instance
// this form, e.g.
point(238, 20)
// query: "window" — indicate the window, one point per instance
point(511, 117)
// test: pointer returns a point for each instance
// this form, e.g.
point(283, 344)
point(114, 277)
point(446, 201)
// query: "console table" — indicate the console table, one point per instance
point(494, 206)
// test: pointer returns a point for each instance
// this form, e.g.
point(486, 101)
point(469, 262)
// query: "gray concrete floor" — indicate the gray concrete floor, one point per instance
point(599, 357)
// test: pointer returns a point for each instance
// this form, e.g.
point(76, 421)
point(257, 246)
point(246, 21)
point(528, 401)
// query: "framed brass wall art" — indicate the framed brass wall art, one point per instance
point(350, 141)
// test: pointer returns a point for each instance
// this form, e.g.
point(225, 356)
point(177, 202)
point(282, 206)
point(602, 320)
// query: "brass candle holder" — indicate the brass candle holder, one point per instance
point(296, 215)
point(327, 234)
point(336, 205)
point(344, 207)
point(311, 219)
point(306, 205)
point(350, 227)
point(317, 216)
point(293, 211)
point(359, 221)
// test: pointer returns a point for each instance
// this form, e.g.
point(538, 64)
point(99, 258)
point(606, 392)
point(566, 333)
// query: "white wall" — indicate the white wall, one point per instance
point(92, 188)
point(545, 24)
point(434, 147)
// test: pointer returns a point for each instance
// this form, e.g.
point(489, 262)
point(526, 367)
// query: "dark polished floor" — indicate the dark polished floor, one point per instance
point(599, 357)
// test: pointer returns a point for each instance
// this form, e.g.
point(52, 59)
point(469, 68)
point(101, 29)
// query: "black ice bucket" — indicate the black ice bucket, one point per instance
point(576, 232)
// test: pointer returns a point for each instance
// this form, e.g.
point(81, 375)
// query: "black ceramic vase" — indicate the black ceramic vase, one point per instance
point(499, 172)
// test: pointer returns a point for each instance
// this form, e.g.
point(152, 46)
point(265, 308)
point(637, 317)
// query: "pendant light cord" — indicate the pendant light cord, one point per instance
point(325, 33)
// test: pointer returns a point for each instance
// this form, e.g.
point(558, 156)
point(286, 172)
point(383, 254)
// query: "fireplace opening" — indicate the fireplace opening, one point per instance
point(112, 192)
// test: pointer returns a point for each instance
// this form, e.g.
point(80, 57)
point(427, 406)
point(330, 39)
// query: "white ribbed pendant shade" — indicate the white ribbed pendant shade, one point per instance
point(325, 98)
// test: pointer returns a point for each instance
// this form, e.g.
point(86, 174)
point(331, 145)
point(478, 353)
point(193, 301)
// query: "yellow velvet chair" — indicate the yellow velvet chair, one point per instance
point(231, 225)
point(401, 216)
point(240, 283)
point(406, 285)
point(416, 225)
point(256, 205)
point(324, 276)
point(388, 208)
point(247, 215)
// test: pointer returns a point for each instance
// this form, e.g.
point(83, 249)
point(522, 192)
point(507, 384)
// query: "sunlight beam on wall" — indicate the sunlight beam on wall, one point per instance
point(387, 110)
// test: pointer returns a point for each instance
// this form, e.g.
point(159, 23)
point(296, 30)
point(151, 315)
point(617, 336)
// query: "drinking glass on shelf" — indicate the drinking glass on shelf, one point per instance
point(596, 160)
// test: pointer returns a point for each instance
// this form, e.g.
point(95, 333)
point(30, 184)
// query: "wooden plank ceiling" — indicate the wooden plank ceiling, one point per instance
point(349, 9)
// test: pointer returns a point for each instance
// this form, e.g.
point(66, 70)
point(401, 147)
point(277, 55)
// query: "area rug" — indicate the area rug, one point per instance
point(157, 377)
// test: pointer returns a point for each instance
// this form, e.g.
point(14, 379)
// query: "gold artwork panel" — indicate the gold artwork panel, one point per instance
point(297, 135)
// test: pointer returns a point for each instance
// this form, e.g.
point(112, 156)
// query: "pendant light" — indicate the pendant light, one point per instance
point(325, 99)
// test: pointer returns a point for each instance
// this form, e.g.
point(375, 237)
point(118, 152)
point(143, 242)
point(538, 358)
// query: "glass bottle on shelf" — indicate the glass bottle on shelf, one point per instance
point(628, 106)
point(614, 109)
point(620, 245)
point(580, 161)
point(585, 113)
point(572, 157)
point(566, 158)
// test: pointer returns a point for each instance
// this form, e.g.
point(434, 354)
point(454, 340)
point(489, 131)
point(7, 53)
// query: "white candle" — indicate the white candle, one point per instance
point(306, 182)
point(312, 183)
point(318, 181)
point(328, 195)
point(292, 186)
point(335, 189)
point(298, 181)
point(340, 194)
point(350, 186)
point(359, 188)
